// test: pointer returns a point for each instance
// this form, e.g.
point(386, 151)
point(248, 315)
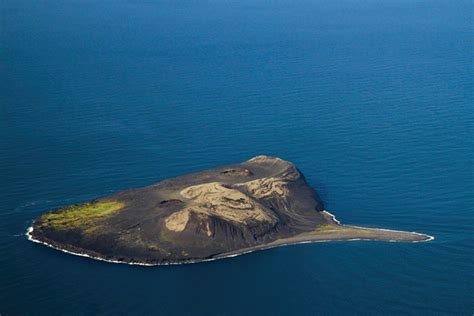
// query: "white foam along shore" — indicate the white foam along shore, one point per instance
point(29, 234)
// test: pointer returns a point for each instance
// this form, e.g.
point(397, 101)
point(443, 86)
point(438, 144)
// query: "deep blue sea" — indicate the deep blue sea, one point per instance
point(372, 100)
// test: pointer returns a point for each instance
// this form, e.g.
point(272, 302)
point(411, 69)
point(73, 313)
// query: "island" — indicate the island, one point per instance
point(258, 204)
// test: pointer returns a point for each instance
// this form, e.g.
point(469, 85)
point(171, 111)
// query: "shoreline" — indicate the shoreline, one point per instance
point(294, 240)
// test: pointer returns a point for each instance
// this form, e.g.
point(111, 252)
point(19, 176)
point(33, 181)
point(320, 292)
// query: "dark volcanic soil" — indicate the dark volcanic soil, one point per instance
point(262, 201)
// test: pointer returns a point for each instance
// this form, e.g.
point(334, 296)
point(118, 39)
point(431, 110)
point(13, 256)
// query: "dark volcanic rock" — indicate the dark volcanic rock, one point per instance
point(192, 217)
point(261, 203)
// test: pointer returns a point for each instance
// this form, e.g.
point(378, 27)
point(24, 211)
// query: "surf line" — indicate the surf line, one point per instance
point(29, 235)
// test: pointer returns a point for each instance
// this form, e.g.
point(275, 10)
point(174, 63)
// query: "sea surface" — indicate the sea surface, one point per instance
point(371, 99)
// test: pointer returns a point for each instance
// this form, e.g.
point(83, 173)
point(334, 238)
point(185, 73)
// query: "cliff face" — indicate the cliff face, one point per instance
point(191, 217)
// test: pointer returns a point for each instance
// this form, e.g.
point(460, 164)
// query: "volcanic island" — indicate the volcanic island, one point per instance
point(258, 204)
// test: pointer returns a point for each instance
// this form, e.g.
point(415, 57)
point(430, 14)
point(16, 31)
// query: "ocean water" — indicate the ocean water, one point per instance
point(372, 100)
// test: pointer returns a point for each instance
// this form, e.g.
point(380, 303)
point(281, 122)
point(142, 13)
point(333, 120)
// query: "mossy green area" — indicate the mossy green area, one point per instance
point(85, 217)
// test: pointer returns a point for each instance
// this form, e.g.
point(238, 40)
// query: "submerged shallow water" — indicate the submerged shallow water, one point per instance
point(371, 100)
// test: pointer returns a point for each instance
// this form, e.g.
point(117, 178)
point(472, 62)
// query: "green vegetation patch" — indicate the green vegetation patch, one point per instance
point(80, 216)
